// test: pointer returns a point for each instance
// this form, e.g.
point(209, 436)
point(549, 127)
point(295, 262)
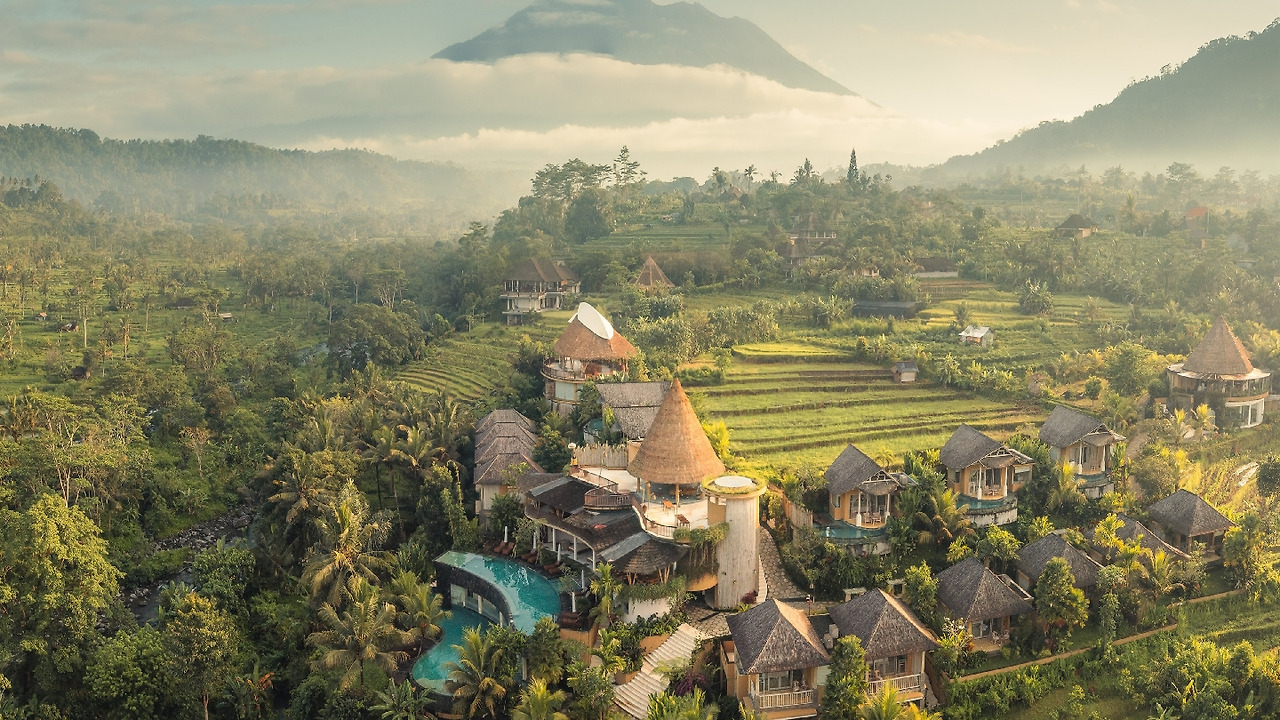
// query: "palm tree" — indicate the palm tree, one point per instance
point(401, 702)
point(346, 548)
point(539, 703)
point(1161, 574)
point(365, 633)
point(473, 683)
point(605, 588)
point(305, 488)
point(883, 706)
point(423, 613)
point(1128, 557)
point(1065, 491)
point(379, 451)
point(948, 523)
point(1164, 713)
point(666, 706)
point(1178, 426)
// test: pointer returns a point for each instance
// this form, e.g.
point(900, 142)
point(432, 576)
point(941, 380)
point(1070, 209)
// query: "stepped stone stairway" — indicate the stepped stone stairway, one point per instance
point(633, 697)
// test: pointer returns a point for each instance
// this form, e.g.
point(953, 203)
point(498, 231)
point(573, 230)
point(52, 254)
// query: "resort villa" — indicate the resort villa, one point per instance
point(1034, 557)
point(985, 602)
point(587, 350)
point(774, 661)
point(537, 285)
point(1186, 520)
point(1085, 443)
point(863, 496)
point(1218, 373)
point(894, 640)
point(504, 442)
point(984, 474)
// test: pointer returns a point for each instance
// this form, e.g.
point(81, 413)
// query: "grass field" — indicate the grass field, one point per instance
point(473, 365)
point(792, 403)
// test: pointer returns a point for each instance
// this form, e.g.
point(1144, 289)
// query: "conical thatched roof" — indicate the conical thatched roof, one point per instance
point(1219, 353)
point(591, 337)
point(651, 276)
point(675, 449)
point(772, 637)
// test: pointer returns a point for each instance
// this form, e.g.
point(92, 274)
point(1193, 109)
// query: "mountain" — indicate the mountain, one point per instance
point(208, 176)
point(1220, 107)
point(641, 32)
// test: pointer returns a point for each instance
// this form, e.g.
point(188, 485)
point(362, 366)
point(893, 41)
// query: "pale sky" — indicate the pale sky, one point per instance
point(948, 77)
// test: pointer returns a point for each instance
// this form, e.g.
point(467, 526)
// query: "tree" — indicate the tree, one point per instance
point(999, 544)
point(363, 634)
point(1128, 367)
point(921, 592)
point(590, 216)
point(605, 588)
point(948, 522)
point(552, 450)
point(1060, 605)
point(539, 703)
point(666, 706)
point(884, 705)
point(347, 548)
point(547, 656)
point(846, 682)
point(1243, 550)
point(592, 691)
point(1064, 492)
point(402, 702)
point(473, 684)
point(373, 334)
point(132, 675)
point(207, 640)
point(1040, 526)
point(423, 611)
point(1269, 477)
point(252, 693)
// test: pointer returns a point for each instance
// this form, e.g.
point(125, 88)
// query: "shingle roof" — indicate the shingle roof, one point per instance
point(966, 447)
point(566, 494)
point(1188, 514)
point(535, 479)
point(1219, 353)
point(1076, 221)
point(634, 404)
point(1067, 426)
point(1033, 558)
point(676, 450)
point(491, 471)
point(505, 430)
point(540, 270)
point(854, 469)
point(772, 637)
point(495, 446)
point(642, 554)
point(884, 625)
point(972, 592)
point(651, 276)
point(504, 416)
point(1133, 530)
point(580, 342)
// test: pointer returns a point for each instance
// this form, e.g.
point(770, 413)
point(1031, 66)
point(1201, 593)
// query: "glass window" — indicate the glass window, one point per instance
point(779, 681)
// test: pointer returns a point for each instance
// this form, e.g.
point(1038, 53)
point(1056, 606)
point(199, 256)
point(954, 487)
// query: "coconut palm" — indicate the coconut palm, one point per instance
point(605, 588)
point(1178, 425)
point(1162, 574)
point(473, 683)
point(539, 703)
point(363, 634)
point(347, 548)
point(1128, 557)
point(304, 488)
point(666, 706)
point(402, 702)
point(423, 613)
point(948, 523)
point(884, 705)
point(1065, 491)
point(379, 451)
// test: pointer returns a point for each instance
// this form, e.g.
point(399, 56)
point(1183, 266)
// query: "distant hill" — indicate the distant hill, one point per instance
point(187, 176)
point(1221, 107)
point(640, 32)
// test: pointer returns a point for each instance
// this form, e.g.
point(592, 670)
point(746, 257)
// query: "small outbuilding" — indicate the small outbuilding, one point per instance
point(980, 335)
point(1076, 226)
point(970, 592)
point(905, 371)
point(651, 278)
point(1034, 557)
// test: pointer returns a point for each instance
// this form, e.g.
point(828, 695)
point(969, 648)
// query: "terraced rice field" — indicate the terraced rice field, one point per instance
point(474, 365)
point(793, 412)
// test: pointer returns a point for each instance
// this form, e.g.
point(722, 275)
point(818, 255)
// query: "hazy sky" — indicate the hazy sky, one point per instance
point(949, 76)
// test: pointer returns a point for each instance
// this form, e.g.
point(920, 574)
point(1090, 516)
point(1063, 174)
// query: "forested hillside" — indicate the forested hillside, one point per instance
point(1221, 107)
point(234, 179)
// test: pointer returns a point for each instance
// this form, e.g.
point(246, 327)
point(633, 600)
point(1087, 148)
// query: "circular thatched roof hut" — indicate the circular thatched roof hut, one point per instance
point(590, 336)
point(675, 449)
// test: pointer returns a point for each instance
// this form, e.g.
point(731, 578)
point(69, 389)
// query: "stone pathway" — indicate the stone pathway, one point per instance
point(780, 586)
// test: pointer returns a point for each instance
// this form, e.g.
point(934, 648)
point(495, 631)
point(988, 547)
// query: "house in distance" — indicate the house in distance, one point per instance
point(1218, 373)
point(588, 349)
point(535, 286)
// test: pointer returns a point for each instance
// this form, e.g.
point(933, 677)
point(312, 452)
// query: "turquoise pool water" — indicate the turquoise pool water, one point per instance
point(430, 670)
point(529, 595)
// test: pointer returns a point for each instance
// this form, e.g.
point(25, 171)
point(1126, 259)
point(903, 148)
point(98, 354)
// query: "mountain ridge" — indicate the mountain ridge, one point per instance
point(1219, 107)
point(644, 33)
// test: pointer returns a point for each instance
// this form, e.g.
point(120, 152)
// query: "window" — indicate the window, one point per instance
point(890, 666)
point(779, 681)
point(980, 629)
point(975, 482)
point(835, 501)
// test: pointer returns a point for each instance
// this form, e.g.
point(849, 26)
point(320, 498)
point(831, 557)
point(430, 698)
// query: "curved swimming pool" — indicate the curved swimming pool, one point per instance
point(481, 590)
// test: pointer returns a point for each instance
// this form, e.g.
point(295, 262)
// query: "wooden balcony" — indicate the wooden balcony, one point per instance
point(781, 699)
point(607, 499)
point(906, 685)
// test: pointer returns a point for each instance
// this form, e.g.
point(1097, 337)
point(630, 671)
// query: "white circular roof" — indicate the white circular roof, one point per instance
point(593, 321)
point(734, 482)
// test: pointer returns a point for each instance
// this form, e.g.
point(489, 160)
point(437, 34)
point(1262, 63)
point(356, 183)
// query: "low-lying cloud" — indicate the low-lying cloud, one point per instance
point(522, 111)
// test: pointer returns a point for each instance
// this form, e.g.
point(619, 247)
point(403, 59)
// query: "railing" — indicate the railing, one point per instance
point(901, 683)
point(606, 499)
point(786, 698)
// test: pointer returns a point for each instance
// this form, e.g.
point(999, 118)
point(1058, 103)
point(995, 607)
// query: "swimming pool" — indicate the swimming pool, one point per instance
point(429, 671)
point(527, 595)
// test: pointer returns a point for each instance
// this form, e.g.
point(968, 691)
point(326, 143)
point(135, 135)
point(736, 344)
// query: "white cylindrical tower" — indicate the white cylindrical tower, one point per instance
point(735, 500)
